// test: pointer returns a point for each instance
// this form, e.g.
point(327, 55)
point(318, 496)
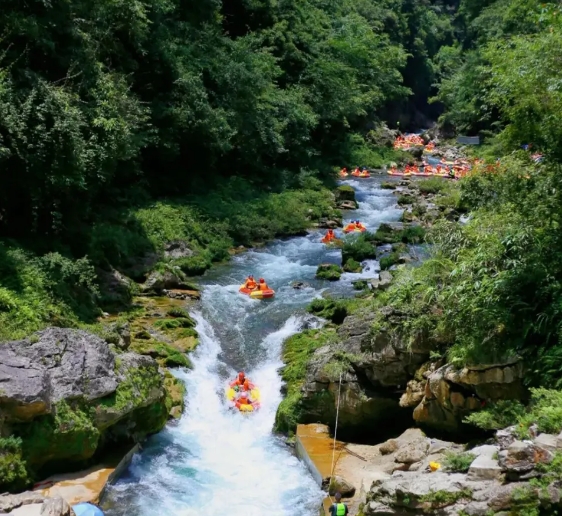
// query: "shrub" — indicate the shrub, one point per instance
point(386, 262)
point(330, 272)
point(497, 415)
point(352, 266)
point(458, 462)
point(432, 185)
point(333, 310)
point(359, 249)
point(405, 199)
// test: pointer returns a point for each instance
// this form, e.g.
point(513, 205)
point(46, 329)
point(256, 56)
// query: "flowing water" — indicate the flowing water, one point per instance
point(216, 462)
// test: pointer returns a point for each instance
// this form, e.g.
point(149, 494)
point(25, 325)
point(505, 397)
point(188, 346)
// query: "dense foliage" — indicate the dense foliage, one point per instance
point(124, 125)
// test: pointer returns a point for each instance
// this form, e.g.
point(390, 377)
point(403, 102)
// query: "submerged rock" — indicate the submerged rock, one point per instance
point(329, 271)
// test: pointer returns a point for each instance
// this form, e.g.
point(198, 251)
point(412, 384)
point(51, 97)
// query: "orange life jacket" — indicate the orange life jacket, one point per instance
point(251, 284)
point(263, 286)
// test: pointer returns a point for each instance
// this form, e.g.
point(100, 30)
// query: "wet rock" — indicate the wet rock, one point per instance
point(177, 249)
point(344, 193)
point(383, 282)
point(329, 223)
point(388, 447)
point(347, 205)
point(298, 285)
point(329, 271)
point(119, 334)
point(56, 507)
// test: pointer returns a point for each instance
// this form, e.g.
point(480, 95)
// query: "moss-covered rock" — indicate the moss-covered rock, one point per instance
point(352, 266)
point(335, 310)
point(345, 193)
point(359, 249)
point(297, 350)
point(164, 353)
point(175, 395)
point(329, 271)
point(89, 397)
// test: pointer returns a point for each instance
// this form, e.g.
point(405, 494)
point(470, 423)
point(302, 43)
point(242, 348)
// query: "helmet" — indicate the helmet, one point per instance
point(250, 277)
point(241, 375)
point(262, 280)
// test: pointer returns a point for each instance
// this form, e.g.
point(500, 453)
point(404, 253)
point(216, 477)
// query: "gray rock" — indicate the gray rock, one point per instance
point(388, 447)
point(413, 452)
point(476, 509)
point(519, 460)
point(56, 507)
point(379, 509)
point(299, 285)
point(106, 416)
point(168, 280)
point(547, 441)
point(384, 281)
point(487, 450)
point(339, 484)
point(505, 437)
point(10, 502)
point(347, 205)
point(484, 468)
point(57, 364)
point(501, 496)
point(177, 249)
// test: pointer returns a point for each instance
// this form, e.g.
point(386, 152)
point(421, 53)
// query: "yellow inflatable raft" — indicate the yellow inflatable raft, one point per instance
point(257, 294)
point(254, 394)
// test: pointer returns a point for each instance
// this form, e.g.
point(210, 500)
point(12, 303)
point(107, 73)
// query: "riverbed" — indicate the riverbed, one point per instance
point(215, 462)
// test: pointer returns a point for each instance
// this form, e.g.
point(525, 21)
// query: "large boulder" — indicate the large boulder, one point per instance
point(65, 394)
point(450, 394)
point(170, 279)
point(56, 364)
point(372, 367)
point(344, 193)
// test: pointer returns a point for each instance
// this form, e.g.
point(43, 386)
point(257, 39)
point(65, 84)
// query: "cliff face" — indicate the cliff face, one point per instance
point(65, 394)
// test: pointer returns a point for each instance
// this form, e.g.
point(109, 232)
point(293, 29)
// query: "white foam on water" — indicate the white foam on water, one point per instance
point(216, 461)
point(222, 462)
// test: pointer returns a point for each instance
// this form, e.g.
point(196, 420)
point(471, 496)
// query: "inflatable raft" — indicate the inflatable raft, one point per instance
point(257, 294)
point(348, 229)
point(254, 394)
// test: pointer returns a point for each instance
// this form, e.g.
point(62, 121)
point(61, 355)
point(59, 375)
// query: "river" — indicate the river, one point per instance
point(215, 462)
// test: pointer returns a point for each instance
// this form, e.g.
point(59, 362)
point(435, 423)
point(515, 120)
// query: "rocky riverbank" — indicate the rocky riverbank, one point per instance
point(390, 374)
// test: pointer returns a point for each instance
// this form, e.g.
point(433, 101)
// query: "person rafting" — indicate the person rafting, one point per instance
point(338, 508)
point(240, 380)
point(359, 225)
point(329, 236)
point(343, 172)
point(263, 285)
point(250, 283)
